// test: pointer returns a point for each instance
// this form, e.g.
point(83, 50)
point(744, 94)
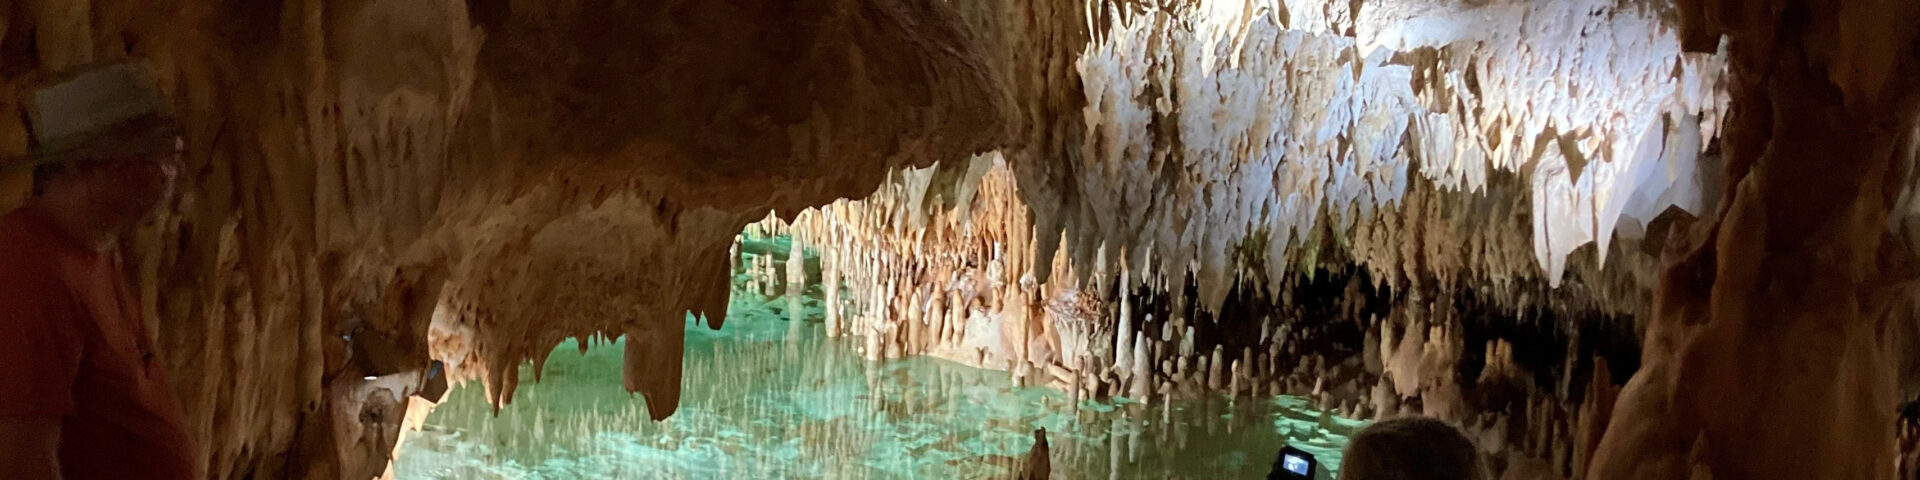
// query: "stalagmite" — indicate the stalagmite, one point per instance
point(769, 277)
point(936, 318)
point(753, 276)
point(1371, 351)
point(1133, 443)
point(1201, 372)
point(1166, 411)
point(1076, 391)
point(1060, 373)
point(796, 281)
point(1142, 380)
point(956, 322)
point(1123, 356)
point(1233, 385)
point(913, 326)
point(874, 350)
point(1214, 365)
point(1246, 364)
point(1186, 343)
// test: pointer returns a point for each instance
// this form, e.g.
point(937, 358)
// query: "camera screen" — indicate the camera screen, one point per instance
point(1295, 464)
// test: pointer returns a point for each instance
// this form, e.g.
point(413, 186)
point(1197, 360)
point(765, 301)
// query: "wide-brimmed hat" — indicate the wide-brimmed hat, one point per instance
point(96, 112)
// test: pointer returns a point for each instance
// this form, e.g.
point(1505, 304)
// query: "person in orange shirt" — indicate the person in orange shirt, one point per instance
point(82, 393)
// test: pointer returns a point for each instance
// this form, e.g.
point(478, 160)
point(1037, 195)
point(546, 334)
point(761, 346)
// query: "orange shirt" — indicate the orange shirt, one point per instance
point(72, 347)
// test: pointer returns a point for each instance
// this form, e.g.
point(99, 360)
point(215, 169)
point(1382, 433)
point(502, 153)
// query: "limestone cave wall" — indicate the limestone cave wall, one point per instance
point(1577, 227)
point(365, 173)
point(1501, 187)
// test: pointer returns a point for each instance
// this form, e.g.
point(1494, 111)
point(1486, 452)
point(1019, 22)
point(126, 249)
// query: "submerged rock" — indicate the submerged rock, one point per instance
point(1038, 465)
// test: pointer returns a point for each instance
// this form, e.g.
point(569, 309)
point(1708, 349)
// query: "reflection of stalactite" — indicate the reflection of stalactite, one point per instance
point(1449, 181)
point(940, 291)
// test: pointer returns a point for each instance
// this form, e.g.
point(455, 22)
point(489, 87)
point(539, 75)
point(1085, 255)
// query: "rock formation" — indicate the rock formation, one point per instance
point(487, 177)
point(1490, 188)
point(1036, 467)
point(1609, 239)
point(1766, 355)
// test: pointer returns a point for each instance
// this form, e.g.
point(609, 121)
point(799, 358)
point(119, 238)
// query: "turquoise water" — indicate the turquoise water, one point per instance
point(766, 399)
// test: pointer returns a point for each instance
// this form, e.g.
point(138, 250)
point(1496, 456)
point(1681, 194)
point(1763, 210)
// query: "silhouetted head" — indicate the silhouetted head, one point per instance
point(1411, 448)
point(108, 195)
point(105, 150)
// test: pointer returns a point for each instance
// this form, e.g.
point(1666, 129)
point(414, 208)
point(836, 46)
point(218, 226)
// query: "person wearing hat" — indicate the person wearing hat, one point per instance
point(82, 393)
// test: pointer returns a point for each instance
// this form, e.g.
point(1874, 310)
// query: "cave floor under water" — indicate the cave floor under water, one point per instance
point(763, 400)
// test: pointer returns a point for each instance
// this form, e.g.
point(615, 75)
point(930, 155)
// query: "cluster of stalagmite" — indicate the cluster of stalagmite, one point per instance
point(1450, 160)
point(914, 277)
point(932, 290)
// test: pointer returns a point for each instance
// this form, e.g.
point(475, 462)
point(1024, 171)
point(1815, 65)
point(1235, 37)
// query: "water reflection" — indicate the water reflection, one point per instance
point(764, 400)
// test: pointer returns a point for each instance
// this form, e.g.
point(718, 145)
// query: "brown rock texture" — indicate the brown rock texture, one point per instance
point(1765, 356)
point(493, 176)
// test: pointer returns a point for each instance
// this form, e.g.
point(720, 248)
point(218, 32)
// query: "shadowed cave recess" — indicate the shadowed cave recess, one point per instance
point(1606, 239)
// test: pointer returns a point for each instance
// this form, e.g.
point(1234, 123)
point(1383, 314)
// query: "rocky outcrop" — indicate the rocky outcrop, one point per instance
point(489, 177)
point(1766, 354)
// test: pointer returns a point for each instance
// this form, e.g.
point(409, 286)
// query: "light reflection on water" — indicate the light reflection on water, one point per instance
point(761, 401)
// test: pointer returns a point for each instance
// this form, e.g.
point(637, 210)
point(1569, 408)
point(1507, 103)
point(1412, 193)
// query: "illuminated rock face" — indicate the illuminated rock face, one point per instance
point(1775, 346)
point(1454, 156)
point(1215, 126)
